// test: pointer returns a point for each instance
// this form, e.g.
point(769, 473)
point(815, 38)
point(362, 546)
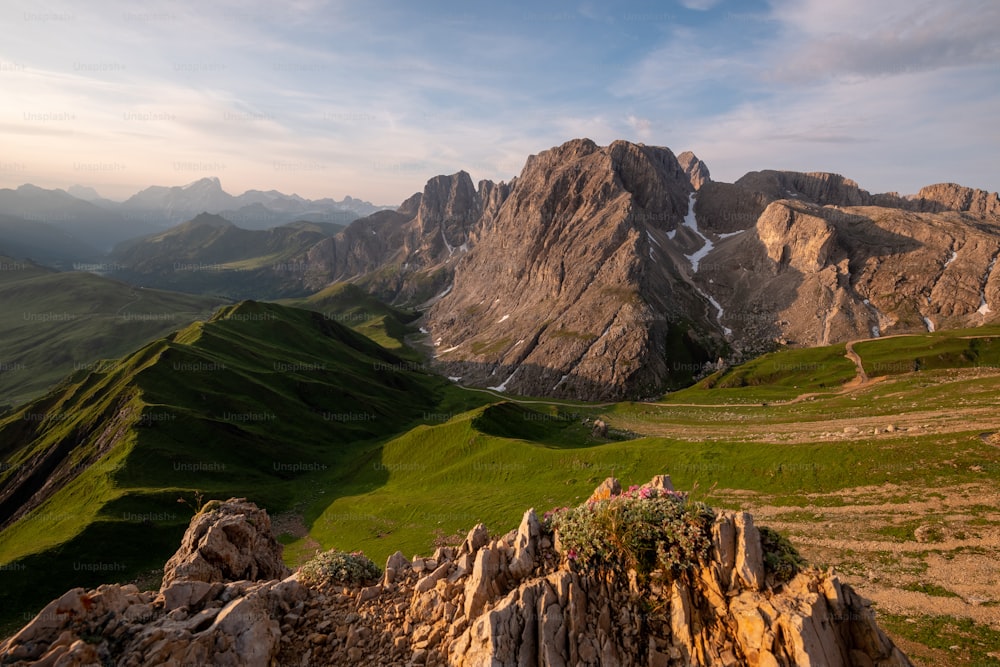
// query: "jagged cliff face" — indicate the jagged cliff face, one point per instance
point(514, 599)
point(616, 272)
point(572, 289)
point(814, 275)
point(409, 254)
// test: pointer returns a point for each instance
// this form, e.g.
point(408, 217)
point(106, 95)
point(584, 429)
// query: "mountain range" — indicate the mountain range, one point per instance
point(96, 224)
point(620, 271)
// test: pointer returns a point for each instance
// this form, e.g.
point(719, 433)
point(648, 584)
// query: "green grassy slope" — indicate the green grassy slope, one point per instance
point(787, 374)
point(959, 348)
point(355, 308)
point(57, 322)
point(210, 255)
point(246, 404)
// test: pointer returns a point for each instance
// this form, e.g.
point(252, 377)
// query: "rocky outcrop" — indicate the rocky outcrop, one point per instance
point(817, 187)
point(226, 542)
point(222, 595)
point(511, 599)
point(954, 197)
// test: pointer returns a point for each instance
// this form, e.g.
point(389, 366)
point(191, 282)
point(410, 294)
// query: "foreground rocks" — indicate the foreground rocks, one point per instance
point(505, 600)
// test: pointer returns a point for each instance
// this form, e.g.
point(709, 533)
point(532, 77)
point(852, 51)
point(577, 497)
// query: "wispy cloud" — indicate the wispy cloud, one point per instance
point(332, 98)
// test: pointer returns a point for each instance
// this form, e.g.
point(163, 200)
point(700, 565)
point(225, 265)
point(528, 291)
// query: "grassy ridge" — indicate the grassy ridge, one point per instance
point(210, 255)
point(247, 404)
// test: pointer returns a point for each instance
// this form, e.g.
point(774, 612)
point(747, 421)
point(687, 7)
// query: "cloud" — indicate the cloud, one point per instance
point(699, 5)
point(641, 127)
point(860, 38)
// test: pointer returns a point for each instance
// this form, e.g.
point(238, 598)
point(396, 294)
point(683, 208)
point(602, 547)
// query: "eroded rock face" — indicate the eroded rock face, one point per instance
point(230, 541)
point(571, 290)
point(409, 255)
point(954, 197)
point(506, 600)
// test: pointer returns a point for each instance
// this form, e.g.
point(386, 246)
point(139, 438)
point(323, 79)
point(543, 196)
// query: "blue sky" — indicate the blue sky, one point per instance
point(371, 99)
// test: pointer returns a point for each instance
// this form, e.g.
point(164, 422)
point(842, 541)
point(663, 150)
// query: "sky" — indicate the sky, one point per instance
point(327, 98)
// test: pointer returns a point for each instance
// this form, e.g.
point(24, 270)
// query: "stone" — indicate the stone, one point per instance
point(477, 538)
point(185, 594)
point(749, 553)
point(229, 542)
point(660, 483)
point(609, 488)
point(430, 580)
point(525, 546)
point(479, 588)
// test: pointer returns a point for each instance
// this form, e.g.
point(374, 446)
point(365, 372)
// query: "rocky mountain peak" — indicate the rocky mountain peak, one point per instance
point(450, 206)
point(954, 197)
point(820, 187)
point(206, 184)
point(696, 170)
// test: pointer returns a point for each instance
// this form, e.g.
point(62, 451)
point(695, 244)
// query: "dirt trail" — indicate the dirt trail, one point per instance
point(861, 377)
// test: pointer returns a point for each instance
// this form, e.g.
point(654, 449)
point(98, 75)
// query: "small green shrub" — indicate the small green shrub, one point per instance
point(339, 567)
point(780, 558)
point(642, 530)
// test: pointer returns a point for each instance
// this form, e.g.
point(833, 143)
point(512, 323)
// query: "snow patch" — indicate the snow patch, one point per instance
point(424, 331)
point(455, 378)
point(503, 319)
point(450, 349)
point(951, 259)
point(451, 250)
point(876, 333)
point(984, 308)
point(561, 380)
point(691, 222)
point(929, 325)
point(727, 235)
point(503, 385)
point(446, 292)
point(650, 236)
point(718, 317)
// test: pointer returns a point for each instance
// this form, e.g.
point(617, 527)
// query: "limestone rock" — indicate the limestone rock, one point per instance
point(229, 542)
point(607, 489)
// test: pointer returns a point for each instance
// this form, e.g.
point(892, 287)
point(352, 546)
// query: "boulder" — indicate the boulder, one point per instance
point(229, 542)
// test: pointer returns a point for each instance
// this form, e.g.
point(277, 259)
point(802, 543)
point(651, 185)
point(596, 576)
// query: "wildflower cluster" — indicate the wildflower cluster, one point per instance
point(643, 529)
point(339, 567)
